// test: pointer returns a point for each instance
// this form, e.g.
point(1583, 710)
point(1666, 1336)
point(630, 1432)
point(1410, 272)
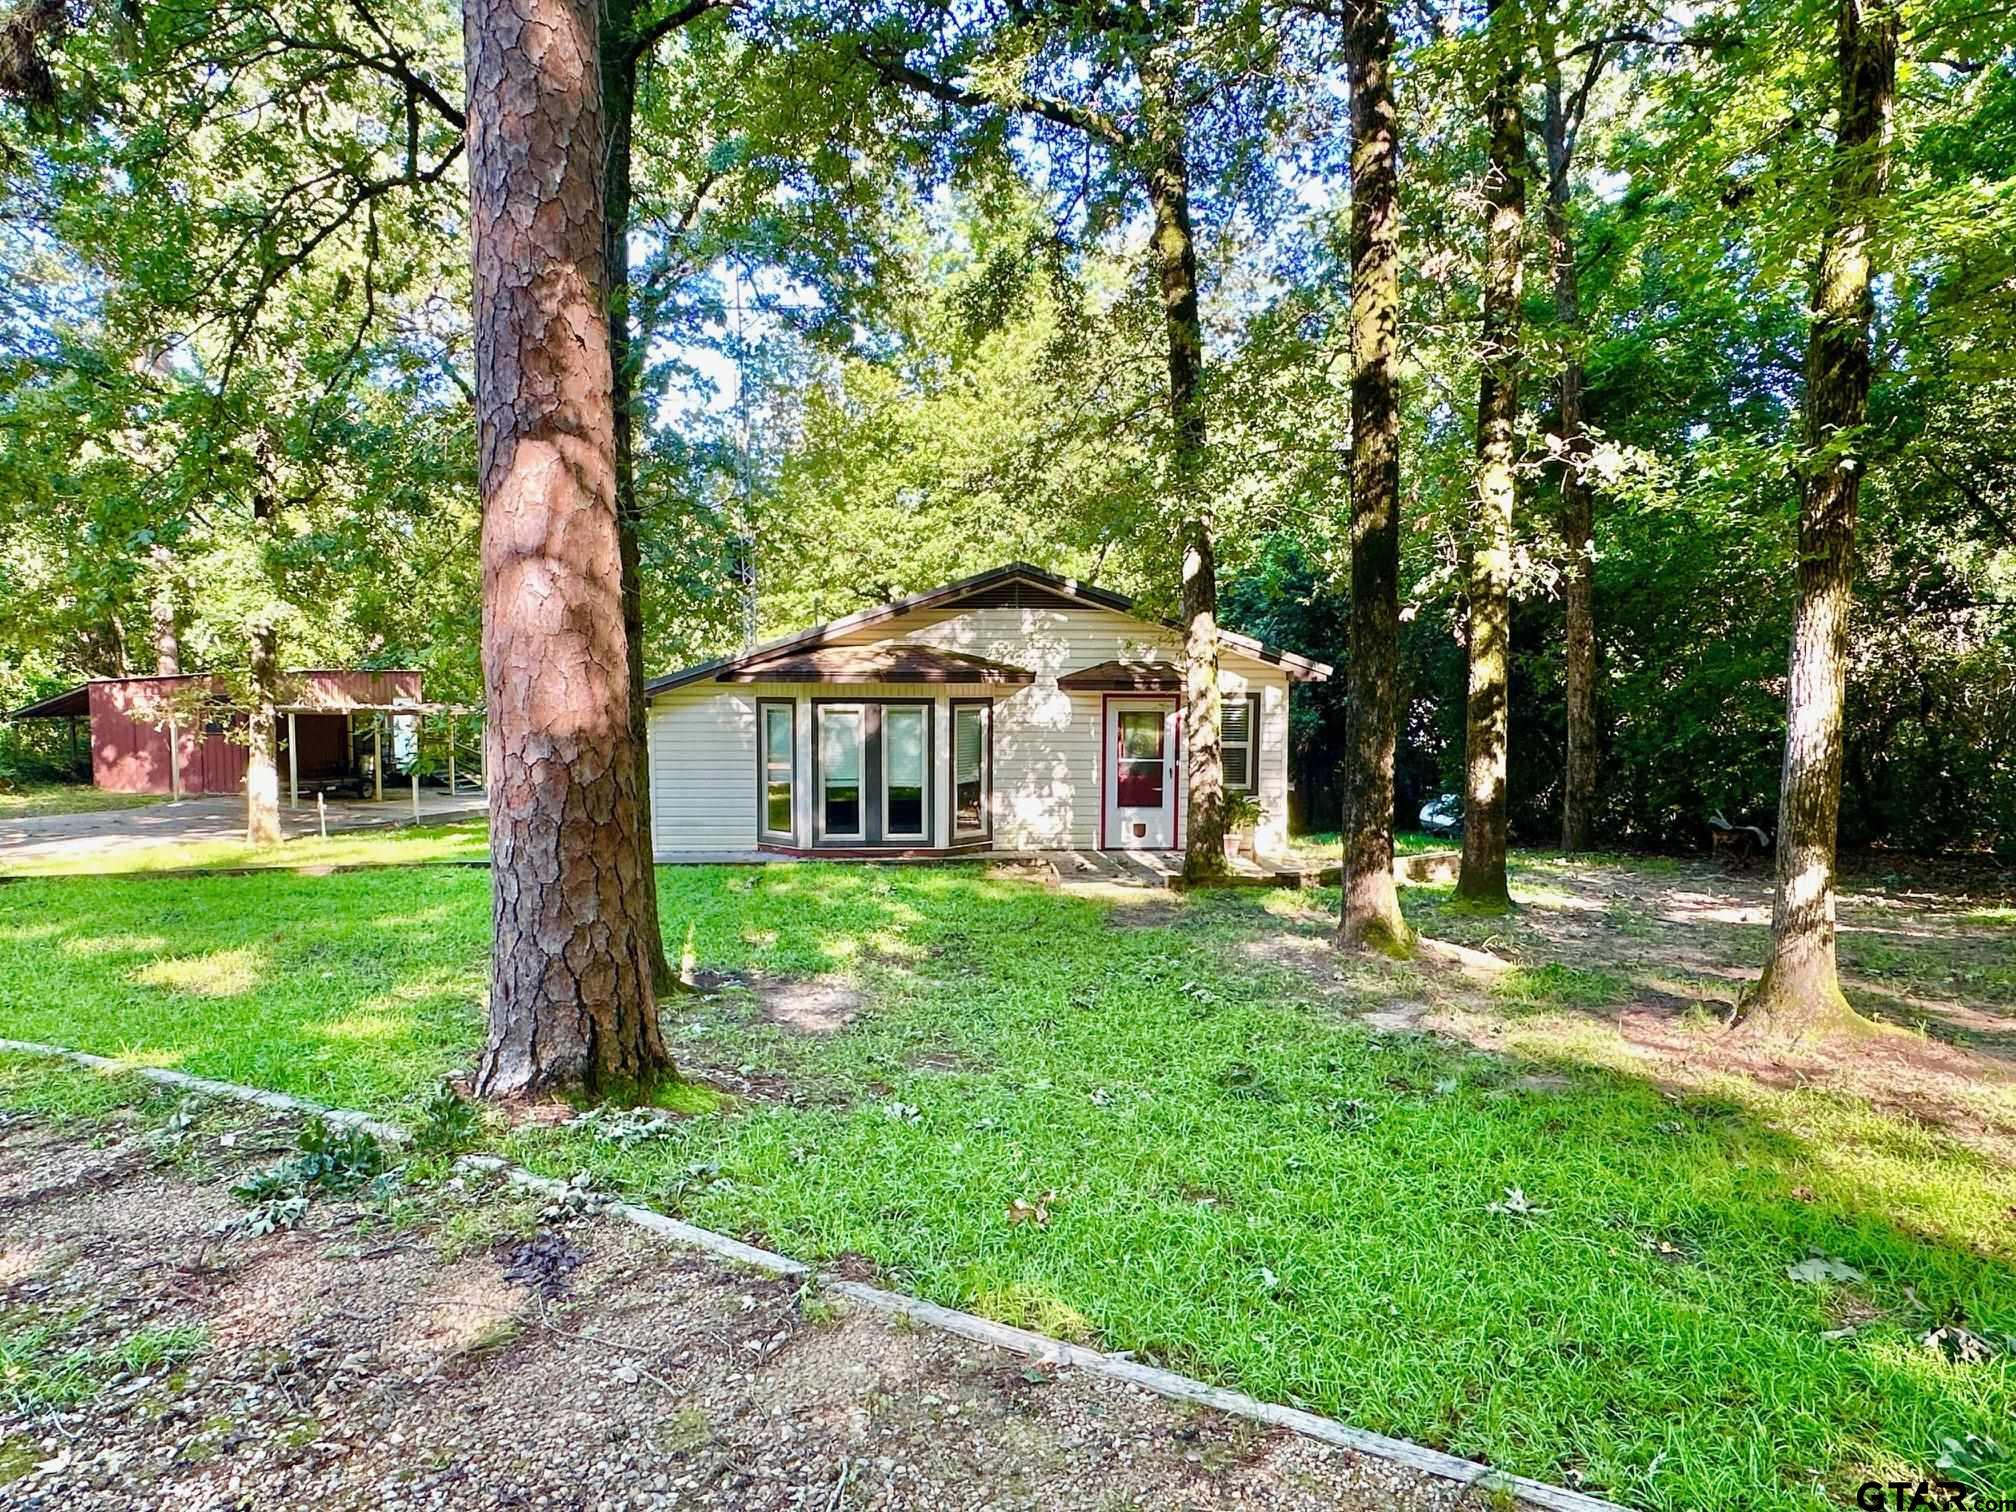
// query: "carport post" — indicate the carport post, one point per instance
point(451, 754)
point(377, 759)
point(416, 792)
point(293, 765)
point(174, 762)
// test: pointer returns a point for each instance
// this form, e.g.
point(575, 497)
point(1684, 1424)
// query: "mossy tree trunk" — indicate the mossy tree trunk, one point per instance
point(1370, 914)
point(1175, 252)
point(1487, 713)
point(1578, 651)
point(1800, 990)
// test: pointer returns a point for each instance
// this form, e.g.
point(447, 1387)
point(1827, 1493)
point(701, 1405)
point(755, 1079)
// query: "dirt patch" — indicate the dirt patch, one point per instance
point(742, 1081)
point(385, 1375)
point(1133, 910)
point(1652, 957)
point(820, 1006)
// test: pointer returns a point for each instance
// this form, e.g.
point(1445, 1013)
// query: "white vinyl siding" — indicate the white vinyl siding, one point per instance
point(1048, 762)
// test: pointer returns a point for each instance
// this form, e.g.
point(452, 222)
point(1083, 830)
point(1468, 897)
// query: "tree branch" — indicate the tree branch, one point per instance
point(1058, 112)
point(679, 16)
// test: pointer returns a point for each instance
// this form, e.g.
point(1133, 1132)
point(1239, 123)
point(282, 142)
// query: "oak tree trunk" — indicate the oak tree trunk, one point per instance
point(1175, 251)
point(1800, 990)
point(1370, 915)
point(165, 610)
point(619, 99)
point(571, 1003)
point(1578, 792)
point(1481, 879)
point(262, 768)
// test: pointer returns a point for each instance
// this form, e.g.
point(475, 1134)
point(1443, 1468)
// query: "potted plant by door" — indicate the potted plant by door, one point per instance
point(1242, 817)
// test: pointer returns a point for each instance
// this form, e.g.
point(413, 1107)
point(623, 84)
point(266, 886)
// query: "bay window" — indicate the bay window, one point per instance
point(872, 772)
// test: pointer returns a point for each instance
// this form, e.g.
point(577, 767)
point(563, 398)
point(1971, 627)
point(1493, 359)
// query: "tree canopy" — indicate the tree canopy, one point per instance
point(896, 294)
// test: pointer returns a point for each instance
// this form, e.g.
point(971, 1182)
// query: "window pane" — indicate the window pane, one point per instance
point(777, 736)
point(840, 745)
point(843, 811)
point(1235, 720)
point(1235, 766)
point(1236, 727)
point(840, 769)
point(968, 745)
point(903, 746)
point(1141, 734)
point(906, 811)
point(777, 810)
point(1140, 784)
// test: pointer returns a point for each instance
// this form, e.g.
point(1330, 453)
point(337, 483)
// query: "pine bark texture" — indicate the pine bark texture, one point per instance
point(1370, 915)
point(619, 91)
point(1487, 716)
point(1578, 655)
point(571, 1002)
point(1800, 989)
point(1175, 248)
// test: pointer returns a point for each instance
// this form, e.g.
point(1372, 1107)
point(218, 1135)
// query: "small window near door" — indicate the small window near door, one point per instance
point(840, 773)
point(1239, 732)
point(780, 769)
point(969, 768)
point(905, 741)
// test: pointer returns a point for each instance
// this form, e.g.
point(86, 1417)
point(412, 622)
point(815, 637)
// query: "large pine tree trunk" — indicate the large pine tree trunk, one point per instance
point(1370, 914)
point(1175, 252)
point(619, 98)
point(570, 975)
point(1800, 990)
point(1578, 793)
point(1487, 712)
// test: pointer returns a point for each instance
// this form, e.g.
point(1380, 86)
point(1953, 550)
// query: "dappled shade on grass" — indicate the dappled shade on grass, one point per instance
point(1231, 1177)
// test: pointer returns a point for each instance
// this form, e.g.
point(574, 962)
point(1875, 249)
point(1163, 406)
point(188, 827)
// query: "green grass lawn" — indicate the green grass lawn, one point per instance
point(1238, 1182)
point(1325, 847)
point(37, 800)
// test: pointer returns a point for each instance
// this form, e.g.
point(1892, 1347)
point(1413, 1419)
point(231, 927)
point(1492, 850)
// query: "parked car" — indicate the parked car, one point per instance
point(1443, 815)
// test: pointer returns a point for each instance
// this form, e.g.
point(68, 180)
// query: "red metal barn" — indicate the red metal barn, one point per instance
point(164, 735)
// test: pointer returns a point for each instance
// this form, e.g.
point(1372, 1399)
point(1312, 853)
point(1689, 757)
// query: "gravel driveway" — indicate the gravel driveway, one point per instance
point(450, 1350)
point(108, 832)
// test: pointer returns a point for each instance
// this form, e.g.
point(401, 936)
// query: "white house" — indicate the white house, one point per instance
point(1014, 710)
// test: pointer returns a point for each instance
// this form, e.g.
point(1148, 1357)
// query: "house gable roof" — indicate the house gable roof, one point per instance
point(1068, 591)
point(876, 664)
